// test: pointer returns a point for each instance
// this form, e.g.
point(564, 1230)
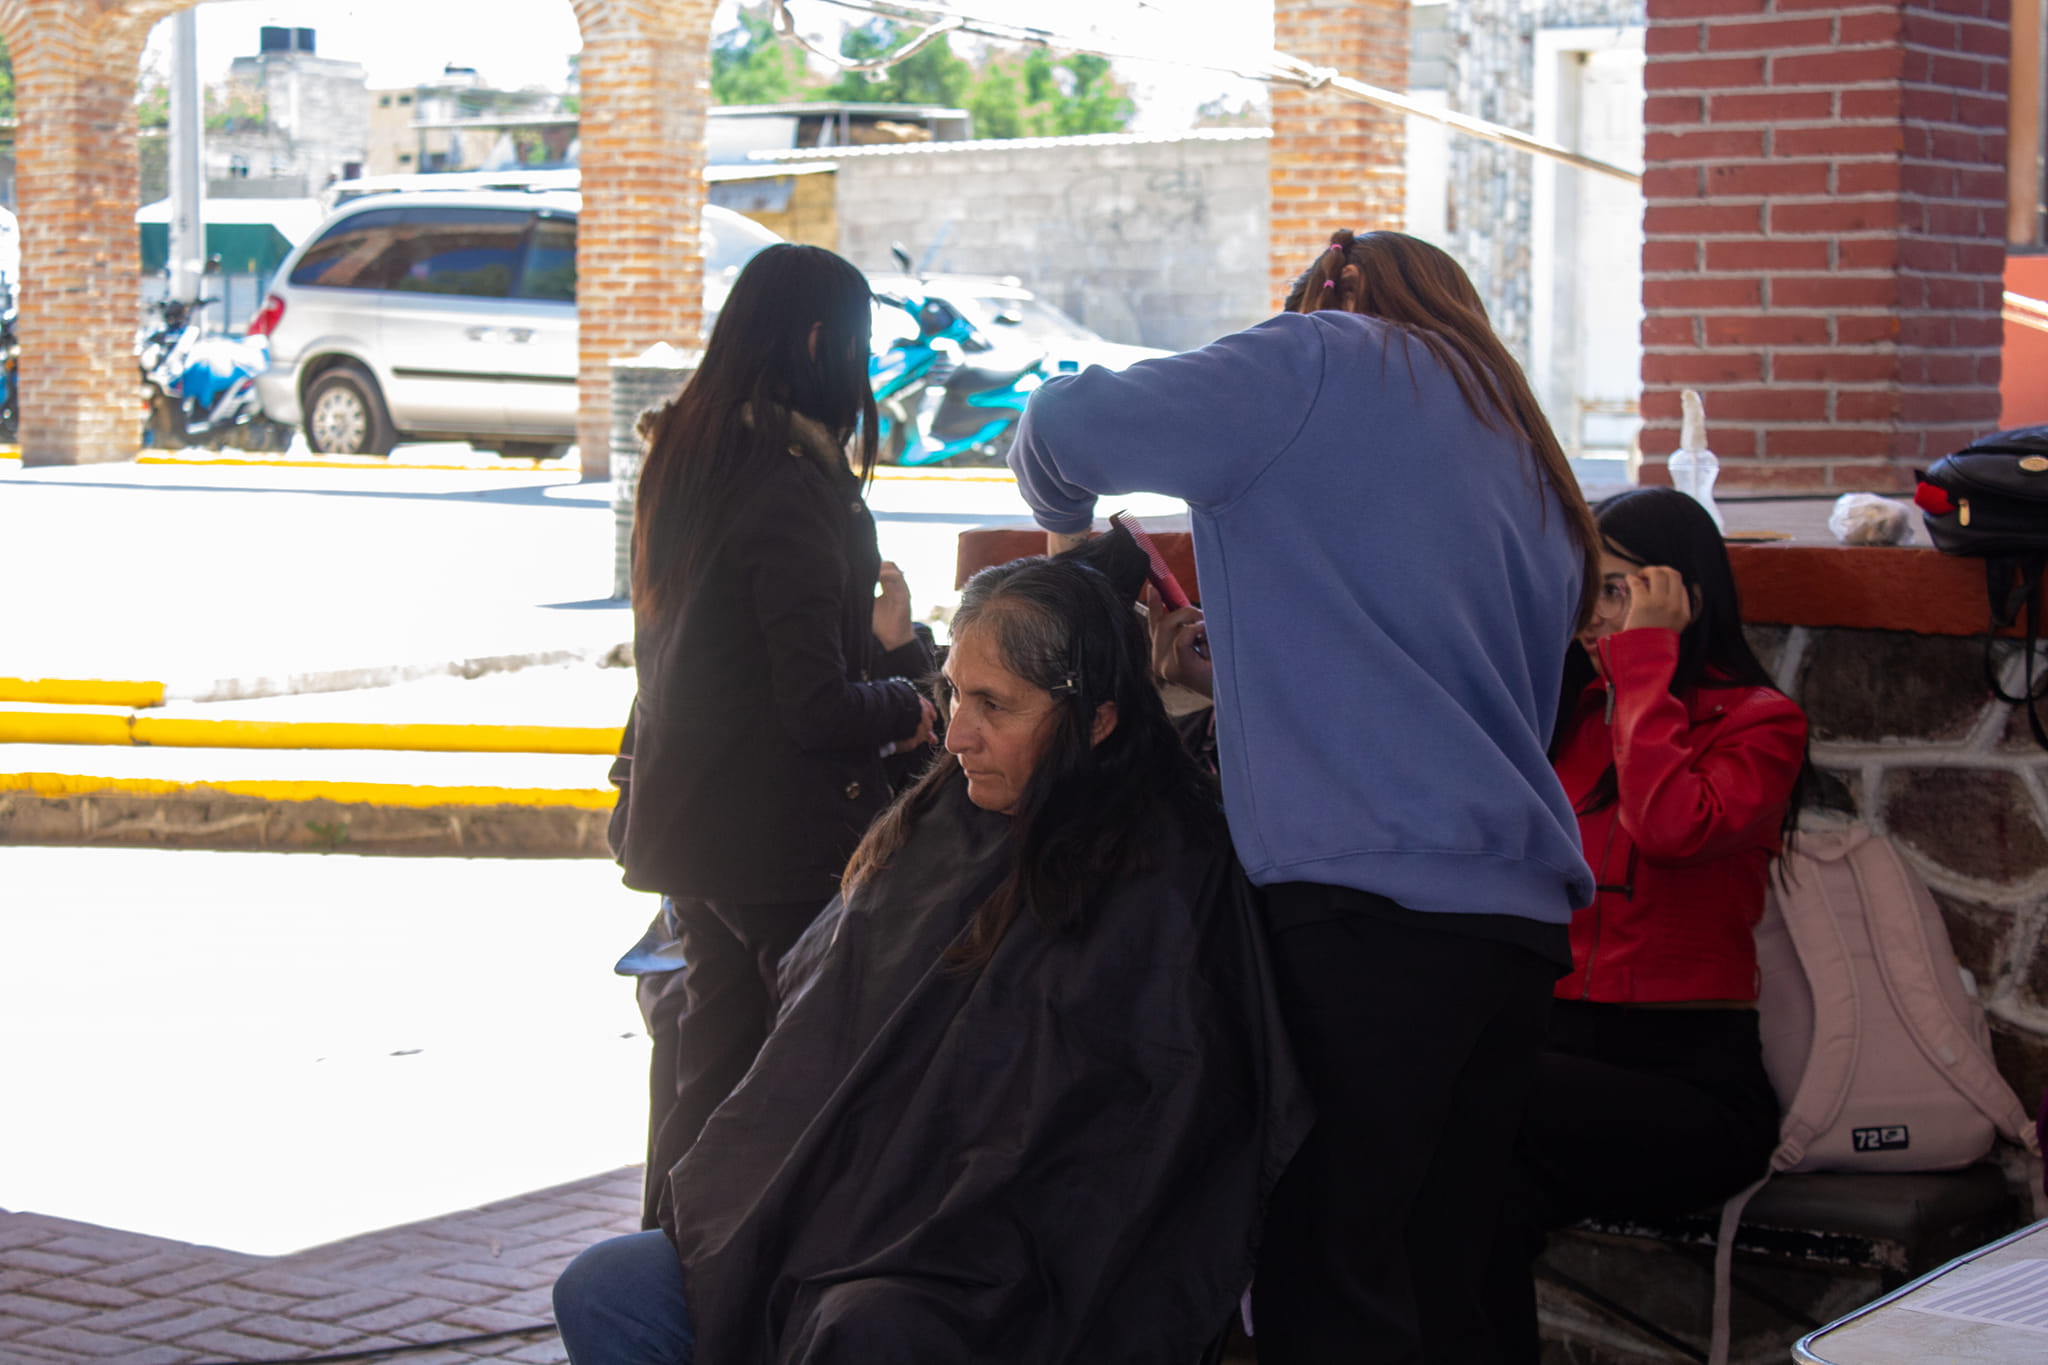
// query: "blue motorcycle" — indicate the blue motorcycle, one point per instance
point(202, 385)
point(946, 393)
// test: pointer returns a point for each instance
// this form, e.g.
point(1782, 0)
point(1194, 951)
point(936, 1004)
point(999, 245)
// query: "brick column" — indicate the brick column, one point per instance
point(1335, 162)
point(646, 75)
point(1824, 239)
point(76, 185)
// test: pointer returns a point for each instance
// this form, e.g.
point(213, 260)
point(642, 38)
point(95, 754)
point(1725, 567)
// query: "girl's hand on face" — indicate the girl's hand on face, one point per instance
point(1658, 600)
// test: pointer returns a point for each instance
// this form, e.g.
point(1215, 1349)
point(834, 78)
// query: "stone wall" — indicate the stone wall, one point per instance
point(1907, 737)
point(1150, 241)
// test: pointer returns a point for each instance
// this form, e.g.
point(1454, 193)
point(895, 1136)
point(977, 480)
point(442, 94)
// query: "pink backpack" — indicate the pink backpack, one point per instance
point(1872, 1034)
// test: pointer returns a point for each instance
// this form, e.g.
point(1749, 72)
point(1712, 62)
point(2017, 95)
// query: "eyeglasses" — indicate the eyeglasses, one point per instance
point(1613, 598)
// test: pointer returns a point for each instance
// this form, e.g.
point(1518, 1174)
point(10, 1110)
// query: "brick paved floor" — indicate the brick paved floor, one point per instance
point(72, 1292)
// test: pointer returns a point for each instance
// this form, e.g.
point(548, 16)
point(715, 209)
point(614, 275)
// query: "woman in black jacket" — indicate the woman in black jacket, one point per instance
point(753, 760)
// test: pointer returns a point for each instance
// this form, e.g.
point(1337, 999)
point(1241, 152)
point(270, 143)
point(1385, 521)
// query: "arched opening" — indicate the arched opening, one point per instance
point(645, 86)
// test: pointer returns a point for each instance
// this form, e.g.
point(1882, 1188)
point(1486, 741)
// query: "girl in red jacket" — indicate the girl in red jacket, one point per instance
point(1686, 766)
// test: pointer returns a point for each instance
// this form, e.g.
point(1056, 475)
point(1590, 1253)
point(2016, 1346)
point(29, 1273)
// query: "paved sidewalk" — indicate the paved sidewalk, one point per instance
point(72, 1292)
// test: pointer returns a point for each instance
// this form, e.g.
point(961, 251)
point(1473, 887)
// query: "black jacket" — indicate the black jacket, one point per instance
point(1058, 1159)
point(752, 762)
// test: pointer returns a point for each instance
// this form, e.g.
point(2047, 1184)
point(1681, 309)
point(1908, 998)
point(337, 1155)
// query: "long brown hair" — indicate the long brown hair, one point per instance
point(1427, 295)
point(759, 366)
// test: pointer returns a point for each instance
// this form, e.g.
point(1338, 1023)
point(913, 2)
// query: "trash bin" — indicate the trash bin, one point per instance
point(646, 381)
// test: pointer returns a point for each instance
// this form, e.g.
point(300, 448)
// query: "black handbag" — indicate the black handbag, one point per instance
point(1989, 501)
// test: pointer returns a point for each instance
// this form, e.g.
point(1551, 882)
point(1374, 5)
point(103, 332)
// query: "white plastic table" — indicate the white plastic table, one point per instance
point(1895, 1331)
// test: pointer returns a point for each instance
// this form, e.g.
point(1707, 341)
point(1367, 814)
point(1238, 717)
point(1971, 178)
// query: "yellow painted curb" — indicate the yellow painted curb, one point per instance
point(890, 473)
point(356, 462)
point(347, 793)
point(81, 692)
point(63, 727)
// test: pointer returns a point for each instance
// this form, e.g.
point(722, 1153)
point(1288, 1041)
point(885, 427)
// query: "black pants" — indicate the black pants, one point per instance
point(1643, 1112)
point(708, 1020)
point(1414, 1043)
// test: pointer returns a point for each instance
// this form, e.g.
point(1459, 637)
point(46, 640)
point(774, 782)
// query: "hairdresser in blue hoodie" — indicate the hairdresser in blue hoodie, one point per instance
point(1393, 557)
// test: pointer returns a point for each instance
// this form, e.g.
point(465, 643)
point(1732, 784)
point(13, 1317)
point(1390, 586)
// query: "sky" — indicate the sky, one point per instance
point(527, 42)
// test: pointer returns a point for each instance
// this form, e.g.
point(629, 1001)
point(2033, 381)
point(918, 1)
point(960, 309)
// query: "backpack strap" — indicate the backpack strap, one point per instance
point(1724, 1272)
point(1810, 922)
point(1898, 933)
point(2013, 583)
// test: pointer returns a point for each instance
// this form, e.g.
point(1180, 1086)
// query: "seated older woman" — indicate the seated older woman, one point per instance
point(1028, 1092)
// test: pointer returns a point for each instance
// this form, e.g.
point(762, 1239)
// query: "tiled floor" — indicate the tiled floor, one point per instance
point(71, 1292)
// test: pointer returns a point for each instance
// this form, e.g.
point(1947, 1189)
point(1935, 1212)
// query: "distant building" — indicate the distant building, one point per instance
point(462, 123)
point(305, 125)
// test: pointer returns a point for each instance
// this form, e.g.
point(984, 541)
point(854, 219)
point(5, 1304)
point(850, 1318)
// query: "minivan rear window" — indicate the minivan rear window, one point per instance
point(471, 252)
point(362, 251)
point(550, 271)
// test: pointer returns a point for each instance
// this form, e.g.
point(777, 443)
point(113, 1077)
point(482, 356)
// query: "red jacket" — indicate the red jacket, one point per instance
point(1682, 856)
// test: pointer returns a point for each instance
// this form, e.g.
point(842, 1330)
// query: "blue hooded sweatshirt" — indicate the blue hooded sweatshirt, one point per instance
point(1389, 592)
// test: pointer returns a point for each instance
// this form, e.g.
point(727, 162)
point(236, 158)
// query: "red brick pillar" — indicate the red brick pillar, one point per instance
point(1824, 240)
point(76, 187)
point(646, 76)
point(1335, 162)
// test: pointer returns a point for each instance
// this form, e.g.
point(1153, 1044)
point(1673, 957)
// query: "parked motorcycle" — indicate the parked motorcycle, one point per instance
point(202, 385)
point(10, 377)
point(948, 393)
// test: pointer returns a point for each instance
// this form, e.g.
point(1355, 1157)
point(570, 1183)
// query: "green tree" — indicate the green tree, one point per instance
point(751, 65)
point(934, 74)
point(1046, 96)
point(6, 81)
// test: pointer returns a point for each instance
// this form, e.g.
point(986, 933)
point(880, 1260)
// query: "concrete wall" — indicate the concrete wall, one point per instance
point(1154, 242)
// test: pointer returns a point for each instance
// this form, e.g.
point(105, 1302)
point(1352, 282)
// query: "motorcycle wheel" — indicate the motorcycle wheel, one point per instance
point(165, 427)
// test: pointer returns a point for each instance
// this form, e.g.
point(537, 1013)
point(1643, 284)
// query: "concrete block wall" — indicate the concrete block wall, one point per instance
point(1825, 233)
point(1155, 242)
point(1336, 163)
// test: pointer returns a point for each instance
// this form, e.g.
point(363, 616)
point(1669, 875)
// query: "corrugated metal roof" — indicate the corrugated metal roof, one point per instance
point(1018, 144)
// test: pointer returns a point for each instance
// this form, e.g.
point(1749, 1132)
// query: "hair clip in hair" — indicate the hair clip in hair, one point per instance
point(1329, 284)
point(1066, 687)
point(1337, 247)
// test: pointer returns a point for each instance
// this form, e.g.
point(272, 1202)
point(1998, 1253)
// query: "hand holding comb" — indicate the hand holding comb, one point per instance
point(1161, 577)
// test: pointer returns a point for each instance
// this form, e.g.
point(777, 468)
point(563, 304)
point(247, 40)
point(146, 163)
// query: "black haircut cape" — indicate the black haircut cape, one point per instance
point(1063, 1156)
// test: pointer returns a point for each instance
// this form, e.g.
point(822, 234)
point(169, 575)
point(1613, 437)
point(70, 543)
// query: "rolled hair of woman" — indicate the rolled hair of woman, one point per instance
point(1662, 526)
point(793, 337)
point(1082, 816)
point(1425, 293)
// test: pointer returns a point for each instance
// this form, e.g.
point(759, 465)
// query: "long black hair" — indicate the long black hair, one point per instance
point(1665, 527)
point(759, 366)
point(1089, 811)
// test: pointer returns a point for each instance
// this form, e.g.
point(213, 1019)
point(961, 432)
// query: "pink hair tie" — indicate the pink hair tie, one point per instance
point(1337, 247)
point(1329, 284)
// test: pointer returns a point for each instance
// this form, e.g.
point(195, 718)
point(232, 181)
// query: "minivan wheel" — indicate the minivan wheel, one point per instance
point(345, 415)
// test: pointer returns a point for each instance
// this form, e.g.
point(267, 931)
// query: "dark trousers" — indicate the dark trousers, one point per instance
point(1643, 1112)
point(1416, 1044)
point(709, 1019)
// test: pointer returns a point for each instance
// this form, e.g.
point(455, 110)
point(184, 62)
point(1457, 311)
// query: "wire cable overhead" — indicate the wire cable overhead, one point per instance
point(1274, 68)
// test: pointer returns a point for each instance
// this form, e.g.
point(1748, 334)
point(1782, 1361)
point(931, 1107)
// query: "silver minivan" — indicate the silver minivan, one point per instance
point(445, 315)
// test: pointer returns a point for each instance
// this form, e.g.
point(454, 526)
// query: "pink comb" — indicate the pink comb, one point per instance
point(1161, 576)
